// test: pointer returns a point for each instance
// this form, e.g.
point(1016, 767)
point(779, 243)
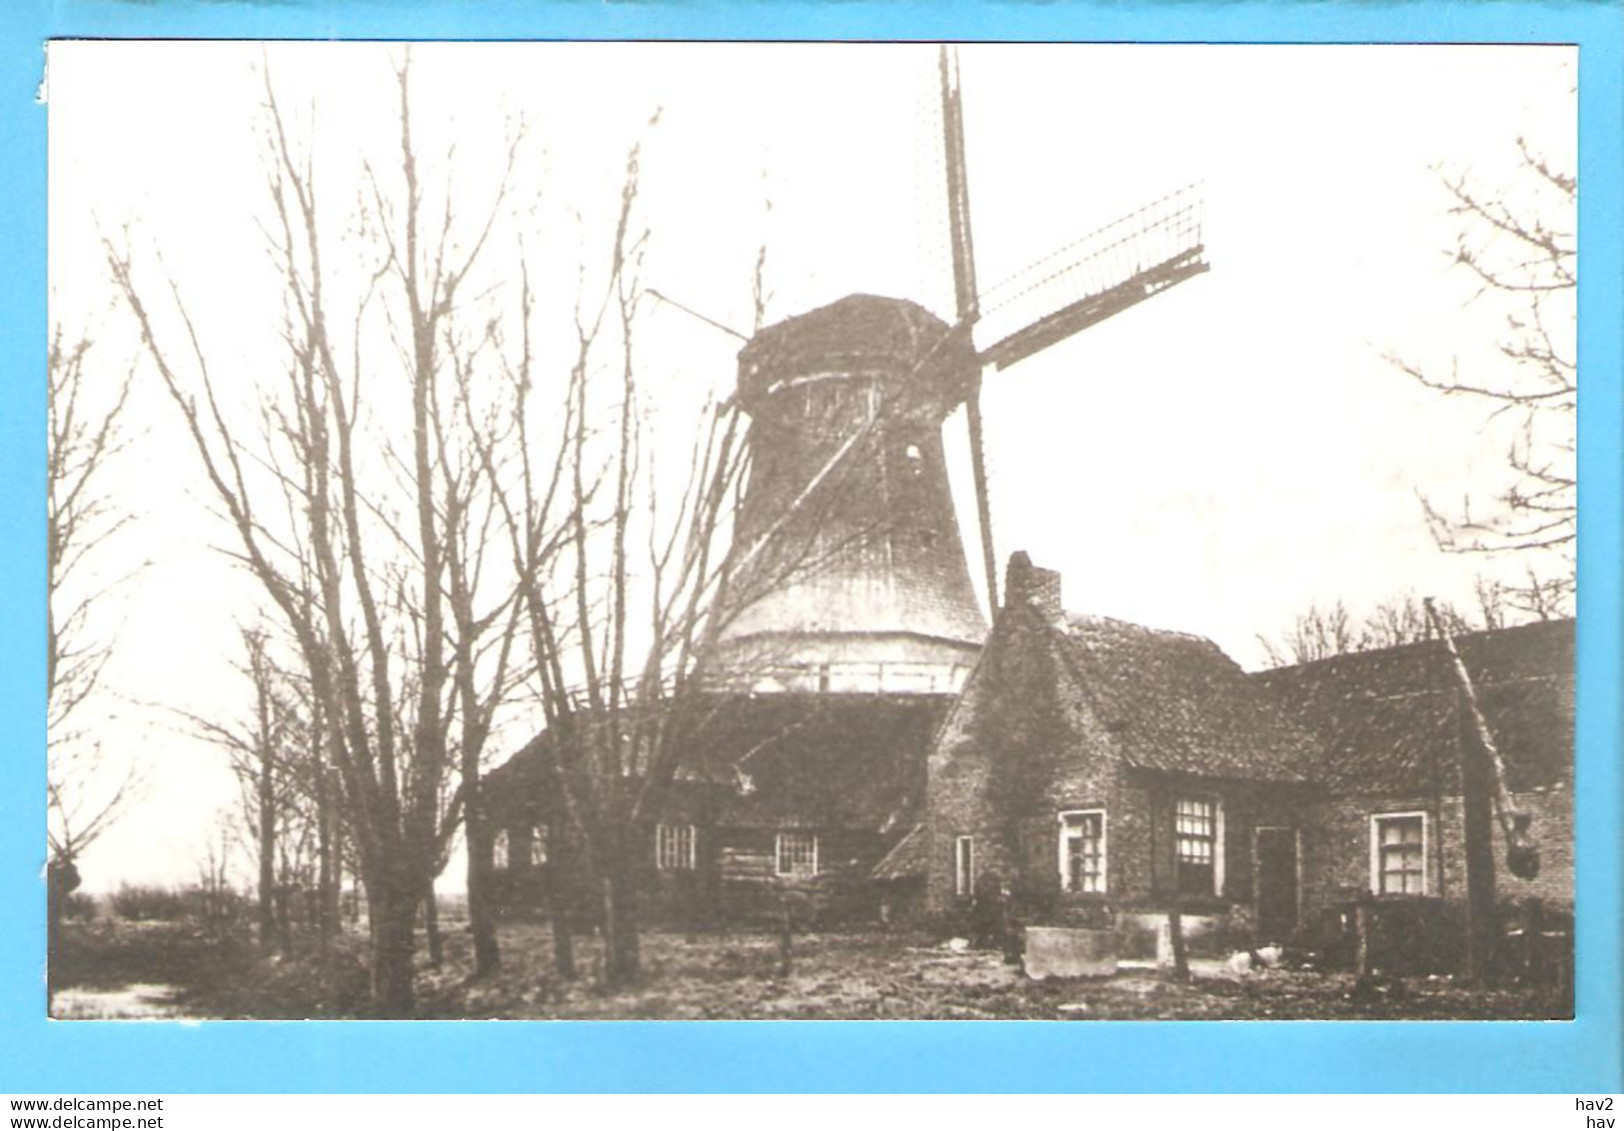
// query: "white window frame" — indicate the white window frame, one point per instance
point(540, 845)
point(964, 865)
point(682, 841)
point(1105, 849)
point(1218, 853)
point(1376, 850)
point(778, 853)
point(499, 849)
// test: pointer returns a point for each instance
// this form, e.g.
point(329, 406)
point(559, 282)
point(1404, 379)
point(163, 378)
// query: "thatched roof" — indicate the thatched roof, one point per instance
point(1174, 703)
point(813, 760)
point(1389, 720)
point(859, 333)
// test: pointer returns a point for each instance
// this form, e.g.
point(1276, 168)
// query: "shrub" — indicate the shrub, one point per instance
point(142, 903)
point(80, 907)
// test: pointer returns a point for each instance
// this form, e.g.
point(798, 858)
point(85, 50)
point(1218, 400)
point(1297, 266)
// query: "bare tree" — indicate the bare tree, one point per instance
point(1320, 633)
point(630, 583)
point(623, 589)
point(85, 790)
point(1314, 635)
point(637, 571)
point(370, 550)
point(276, 758)
point(1517, 243)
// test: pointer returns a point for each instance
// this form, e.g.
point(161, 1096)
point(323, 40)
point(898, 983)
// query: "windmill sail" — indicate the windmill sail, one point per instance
point(1094, 277)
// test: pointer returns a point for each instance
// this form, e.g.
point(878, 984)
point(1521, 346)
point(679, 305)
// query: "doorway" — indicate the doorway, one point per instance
point(1276, 884)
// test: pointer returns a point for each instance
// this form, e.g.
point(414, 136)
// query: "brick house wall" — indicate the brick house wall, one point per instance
point(974, 772)
point(1023, 746)
point(1338, 848)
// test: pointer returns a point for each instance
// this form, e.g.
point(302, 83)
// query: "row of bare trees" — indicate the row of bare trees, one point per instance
point(87, 786)
point(1320, 632)
point(455, 538)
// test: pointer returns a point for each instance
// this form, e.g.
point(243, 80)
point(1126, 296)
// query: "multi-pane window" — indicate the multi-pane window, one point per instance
point(1399, 854)
point(499, 849)
point(538, 846)
point(1195, 845)
point(964, 865)
point(1082, 851)
point(797, 854)
point(674, 847)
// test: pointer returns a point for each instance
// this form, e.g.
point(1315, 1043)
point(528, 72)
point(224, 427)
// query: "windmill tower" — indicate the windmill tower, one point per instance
point(856, 577)
point(861, 583)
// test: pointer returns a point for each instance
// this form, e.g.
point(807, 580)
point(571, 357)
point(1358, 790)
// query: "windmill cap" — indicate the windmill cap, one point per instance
point(859, 334)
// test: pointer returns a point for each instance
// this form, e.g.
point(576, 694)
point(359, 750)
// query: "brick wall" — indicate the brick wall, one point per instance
point(1337, 847)
point(991, 760)
point(1023, 746)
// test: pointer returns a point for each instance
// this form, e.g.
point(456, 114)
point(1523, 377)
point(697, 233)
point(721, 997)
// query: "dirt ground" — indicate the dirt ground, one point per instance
point(168, 970)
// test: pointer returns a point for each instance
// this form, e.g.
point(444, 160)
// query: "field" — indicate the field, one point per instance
point(158, 970)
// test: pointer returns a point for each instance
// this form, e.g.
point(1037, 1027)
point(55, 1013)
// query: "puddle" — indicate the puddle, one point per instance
point(142, 1001)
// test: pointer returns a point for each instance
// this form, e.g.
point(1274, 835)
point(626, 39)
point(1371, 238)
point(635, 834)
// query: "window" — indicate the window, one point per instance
point(964, 866)
point(1398, 854)
point(1082, 850)
point(797, 854)
point(499, 849)
point(674, 847)
point(1197, 846)
point(538, 846)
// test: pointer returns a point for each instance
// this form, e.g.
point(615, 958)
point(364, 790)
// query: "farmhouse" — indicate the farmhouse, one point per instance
point(1107, 772)
point(777, 796)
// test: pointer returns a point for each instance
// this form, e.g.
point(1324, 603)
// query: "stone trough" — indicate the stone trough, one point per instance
point(1070, 952)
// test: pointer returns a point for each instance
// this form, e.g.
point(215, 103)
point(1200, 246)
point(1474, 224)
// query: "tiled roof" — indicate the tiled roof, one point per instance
point(1389, 719)
point(907, 858)
point(1176, 704)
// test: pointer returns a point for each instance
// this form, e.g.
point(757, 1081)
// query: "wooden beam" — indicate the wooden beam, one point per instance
point(1086, 312)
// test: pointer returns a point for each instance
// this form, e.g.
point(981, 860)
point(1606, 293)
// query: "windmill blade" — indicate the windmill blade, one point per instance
point(964, 295)
point(1094, 277)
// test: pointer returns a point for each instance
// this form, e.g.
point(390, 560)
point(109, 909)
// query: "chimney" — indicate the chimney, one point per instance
point(1026, 584)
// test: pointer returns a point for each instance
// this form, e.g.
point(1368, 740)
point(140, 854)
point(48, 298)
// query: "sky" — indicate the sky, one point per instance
point(1212, 461)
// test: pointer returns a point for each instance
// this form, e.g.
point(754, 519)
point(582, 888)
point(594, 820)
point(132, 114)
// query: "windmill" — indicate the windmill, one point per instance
point(1082, 283)
point(848, 471)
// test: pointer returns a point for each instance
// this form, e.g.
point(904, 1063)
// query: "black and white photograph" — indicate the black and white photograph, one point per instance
point(838, 531)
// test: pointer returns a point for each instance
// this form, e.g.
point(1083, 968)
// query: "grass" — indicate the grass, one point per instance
point(734, 974)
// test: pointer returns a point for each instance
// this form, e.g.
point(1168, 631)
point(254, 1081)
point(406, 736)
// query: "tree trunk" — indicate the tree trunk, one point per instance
point(621, 958)
point(392, 912)
point(431, 927)
point(481, 915)
point(267, 851)
point(329, 877)
point(559, 861)
point(61, 879)
point(329, 864)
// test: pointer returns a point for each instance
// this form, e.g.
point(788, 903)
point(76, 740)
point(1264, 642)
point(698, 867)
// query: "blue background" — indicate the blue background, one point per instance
point(1585, 1056)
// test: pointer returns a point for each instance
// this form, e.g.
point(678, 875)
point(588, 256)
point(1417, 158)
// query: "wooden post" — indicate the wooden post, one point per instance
point(1175, 931)
point(1533, 940)
point(786, 936)
point(1361, 935)
point(1478, 820)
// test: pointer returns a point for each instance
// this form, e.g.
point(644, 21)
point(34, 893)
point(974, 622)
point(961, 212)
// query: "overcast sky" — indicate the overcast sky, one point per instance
point(1212, 461)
